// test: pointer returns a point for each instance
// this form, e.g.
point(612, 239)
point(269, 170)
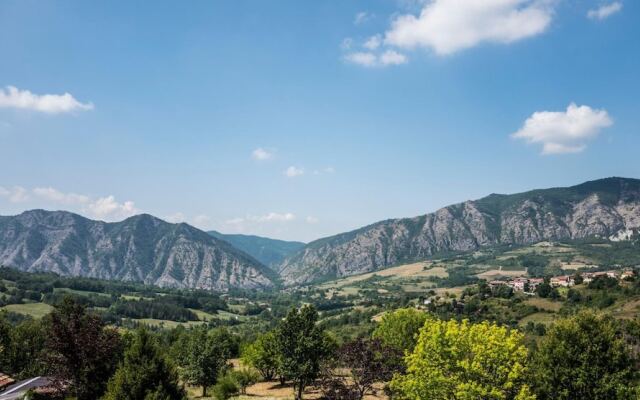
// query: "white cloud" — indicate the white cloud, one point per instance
point(447, 26)
point(373, 42)
point(365, 59)
point(312, 220)
point(275, 217)
point(175, 218)
point(293, 171)
point(329, 170)
point(261, 154)
point(105, 208)
point(391, 57)
point(57, 196)
point(16, 194)
point(362, 17)
point(605, 11)
point(46, 103)
point(108, 208)
point(369, 59)
point(564, 131)
point(202, 221)
point(256, 223)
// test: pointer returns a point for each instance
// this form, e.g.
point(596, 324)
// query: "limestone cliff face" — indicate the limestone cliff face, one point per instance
point(599, 208)
point(141, 248)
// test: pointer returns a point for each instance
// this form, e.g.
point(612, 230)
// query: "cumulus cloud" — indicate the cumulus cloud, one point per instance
point(105, 208)
point(365, 59)
point(13, 97)
point(370, 59)
point(57, 196)
point(261, 154)
point(373, 42)
point(312, 220)
point(391, 57)
point(605, 11)
point(448, 26)
point(293, 172)
point(109, 208)
point(562, 132)
point(16, 194)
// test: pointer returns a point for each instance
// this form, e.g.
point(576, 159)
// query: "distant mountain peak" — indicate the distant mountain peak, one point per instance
point(270, 252)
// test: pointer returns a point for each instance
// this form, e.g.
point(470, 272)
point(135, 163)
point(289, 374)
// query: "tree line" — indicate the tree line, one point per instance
point(411, 354)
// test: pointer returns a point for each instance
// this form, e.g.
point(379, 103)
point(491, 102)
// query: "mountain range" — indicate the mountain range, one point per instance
point(141, 248)
point(606, 207)
point(146, 249)
point(270, 252)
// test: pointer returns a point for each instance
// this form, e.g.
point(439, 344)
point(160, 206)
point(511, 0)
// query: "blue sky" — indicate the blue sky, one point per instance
point(196, 111)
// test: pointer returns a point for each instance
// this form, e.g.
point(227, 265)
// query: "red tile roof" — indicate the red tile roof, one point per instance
point(5, 380)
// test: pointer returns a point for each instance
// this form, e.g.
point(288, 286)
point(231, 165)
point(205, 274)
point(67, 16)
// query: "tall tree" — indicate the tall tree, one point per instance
point(6, 344)
point(584, 357)
point(25, 353)
point(302, 346)
point(463, 361)
point(205, 356)
point(399, 329)
point(144, 374)
point(262, 355)
point(81, 353)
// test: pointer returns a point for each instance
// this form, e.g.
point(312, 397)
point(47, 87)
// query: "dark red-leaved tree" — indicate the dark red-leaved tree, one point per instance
point(81, 353)
point(357, 368)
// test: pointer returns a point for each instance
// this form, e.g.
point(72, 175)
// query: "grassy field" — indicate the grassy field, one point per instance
point(499, 272)
point(157, 323)
point(35, 310)
point(401, 271)
point(412, 277)
point(544, 304)
point(539, 317)
point(81, 292)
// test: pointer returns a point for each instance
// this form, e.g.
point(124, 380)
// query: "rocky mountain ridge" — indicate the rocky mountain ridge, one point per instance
point(606, 208)
point(141, 248)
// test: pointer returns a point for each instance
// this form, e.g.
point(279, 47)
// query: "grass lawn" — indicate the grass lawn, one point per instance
point(35, 310)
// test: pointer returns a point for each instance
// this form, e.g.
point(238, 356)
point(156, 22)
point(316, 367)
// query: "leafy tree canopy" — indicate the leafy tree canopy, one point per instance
point(460, 360)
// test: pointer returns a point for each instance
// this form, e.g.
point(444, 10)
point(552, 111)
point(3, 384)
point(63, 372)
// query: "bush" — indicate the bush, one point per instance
point(225, 388)
point(244, 377)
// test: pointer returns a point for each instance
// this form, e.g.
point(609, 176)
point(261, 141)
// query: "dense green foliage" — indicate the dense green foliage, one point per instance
point(585, 357)
point(202, 355)
point(302, 346)
point(465, 361)
point(144, 374)
point(399, 329)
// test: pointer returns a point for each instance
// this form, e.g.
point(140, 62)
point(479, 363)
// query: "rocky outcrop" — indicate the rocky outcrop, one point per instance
point(599, 208)
point(141, 248)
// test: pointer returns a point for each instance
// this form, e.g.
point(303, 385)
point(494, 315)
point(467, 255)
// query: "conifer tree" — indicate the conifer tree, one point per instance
point(144, 374)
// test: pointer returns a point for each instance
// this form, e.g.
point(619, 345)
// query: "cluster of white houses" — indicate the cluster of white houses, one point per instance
point(529, 285)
